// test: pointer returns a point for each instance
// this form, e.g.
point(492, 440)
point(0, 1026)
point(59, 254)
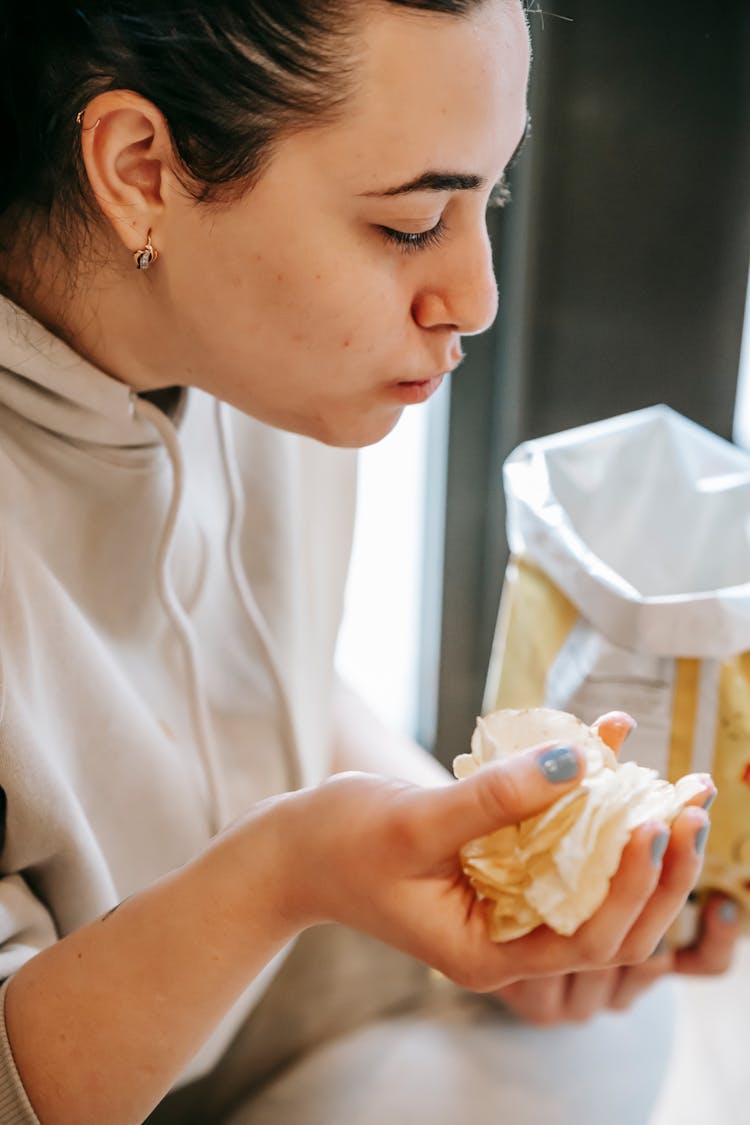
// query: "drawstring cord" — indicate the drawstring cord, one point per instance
point(218, 808)
point(244, 593)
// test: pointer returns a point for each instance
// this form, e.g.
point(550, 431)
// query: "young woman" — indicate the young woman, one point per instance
point(282, 208)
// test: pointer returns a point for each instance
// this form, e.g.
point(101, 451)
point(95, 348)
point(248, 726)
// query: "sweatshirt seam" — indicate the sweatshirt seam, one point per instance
point(108, 451)
point(11, 1086)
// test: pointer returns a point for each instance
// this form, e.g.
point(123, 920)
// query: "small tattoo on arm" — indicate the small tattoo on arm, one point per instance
point(109, 913)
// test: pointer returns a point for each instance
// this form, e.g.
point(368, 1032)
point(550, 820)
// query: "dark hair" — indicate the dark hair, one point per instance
point(230, 77)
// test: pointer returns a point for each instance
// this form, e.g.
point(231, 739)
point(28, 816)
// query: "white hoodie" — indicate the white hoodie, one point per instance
point(170, 595)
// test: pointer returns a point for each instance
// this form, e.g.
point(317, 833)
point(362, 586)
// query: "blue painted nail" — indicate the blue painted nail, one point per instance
point(728, 912)
point(710, 800)
point(700, 838)
point(659, 846)
point(559, 765)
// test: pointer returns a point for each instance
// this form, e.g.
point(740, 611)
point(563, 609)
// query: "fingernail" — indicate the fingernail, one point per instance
point(559, 765)
point(659, 846)
point(632, 727)
point(728, 912)
point(710, 800)
point(700, 838)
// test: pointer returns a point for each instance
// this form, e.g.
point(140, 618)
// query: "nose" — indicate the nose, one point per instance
point(460, 292)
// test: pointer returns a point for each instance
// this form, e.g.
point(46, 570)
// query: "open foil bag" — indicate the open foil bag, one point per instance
point(628, 588)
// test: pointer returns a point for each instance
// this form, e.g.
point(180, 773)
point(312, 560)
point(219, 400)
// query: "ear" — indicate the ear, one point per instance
point(126, 148)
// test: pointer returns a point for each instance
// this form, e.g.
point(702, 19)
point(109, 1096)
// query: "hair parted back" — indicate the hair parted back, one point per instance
point(229, 76)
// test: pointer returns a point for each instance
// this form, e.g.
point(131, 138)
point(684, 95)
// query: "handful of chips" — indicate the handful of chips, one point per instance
point(555, 868)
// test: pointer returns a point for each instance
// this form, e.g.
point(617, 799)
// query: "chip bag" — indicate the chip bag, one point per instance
point(628, 588)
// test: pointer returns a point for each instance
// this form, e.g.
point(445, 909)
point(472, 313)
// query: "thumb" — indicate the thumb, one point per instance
point(499, 794)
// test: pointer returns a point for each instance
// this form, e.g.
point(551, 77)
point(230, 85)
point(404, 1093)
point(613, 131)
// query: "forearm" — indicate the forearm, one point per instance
point(103, 1022)
point(363, 742)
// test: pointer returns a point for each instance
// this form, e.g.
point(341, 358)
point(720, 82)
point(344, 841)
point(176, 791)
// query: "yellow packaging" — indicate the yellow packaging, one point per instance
point(693, 714)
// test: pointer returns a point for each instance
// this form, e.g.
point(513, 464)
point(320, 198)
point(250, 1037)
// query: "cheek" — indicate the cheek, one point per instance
point(286, 291)
point(340, 303)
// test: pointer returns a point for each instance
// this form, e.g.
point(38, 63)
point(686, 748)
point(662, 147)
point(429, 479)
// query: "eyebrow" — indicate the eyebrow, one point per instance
point(451, 181)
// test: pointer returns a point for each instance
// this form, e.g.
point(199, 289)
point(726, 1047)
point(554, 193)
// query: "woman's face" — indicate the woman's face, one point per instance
point(337, 291)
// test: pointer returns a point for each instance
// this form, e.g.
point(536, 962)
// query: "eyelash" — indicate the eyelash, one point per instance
point(500, 196)
point(410, 243)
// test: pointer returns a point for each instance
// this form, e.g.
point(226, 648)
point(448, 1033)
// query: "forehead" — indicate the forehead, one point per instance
point(432, 90)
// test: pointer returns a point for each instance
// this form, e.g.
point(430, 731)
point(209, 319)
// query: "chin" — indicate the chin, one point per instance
point(355, 432)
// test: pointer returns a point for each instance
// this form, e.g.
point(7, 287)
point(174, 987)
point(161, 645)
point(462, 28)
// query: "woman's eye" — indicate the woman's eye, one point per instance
point(415, 241)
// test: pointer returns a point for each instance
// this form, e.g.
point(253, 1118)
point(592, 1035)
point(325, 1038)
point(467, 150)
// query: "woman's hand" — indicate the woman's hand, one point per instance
point(576, 997)
point(382, 856)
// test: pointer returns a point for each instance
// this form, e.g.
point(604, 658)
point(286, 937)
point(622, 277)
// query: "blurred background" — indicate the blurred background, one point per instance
point(623, 272)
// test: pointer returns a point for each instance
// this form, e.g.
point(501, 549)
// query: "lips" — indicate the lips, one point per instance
point(419, 390)
point(450, 366)
point(414, 391)
point(425, 379)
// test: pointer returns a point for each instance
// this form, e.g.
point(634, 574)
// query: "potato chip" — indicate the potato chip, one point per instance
point(555, 868)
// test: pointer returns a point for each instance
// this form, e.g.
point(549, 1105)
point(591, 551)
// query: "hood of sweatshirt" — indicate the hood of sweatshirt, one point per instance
point(138, 519)
point(99, 493)
point(43, 380)
point(142, 698)
point(170, 599)
point(211, 541)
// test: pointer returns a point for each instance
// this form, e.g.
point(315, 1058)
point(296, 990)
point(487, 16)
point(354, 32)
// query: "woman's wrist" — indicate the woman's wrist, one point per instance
point(254, 870)
point(302, 840)
point(303, 866)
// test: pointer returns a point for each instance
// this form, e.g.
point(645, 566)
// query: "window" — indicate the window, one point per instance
point(742, 406)
point(381, 651)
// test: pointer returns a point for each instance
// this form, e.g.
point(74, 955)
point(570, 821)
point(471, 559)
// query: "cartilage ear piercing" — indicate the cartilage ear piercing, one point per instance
point(86, 128)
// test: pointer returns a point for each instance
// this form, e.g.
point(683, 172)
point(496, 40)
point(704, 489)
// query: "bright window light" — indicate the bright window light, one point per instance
point(742, 406)
point(379, 645)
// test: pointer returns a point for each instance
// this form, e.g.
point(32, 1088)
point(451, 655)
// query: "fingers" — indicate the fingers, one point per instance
point(614, 727)
point(631, 888)
point(645, 895)
point(539, 1002)
point(578, 997)
point(634, 980)
point(597, 943)
point(714, 950)
point(705, 799)
point(496, 796)
point(589, 993)
point(679, 873)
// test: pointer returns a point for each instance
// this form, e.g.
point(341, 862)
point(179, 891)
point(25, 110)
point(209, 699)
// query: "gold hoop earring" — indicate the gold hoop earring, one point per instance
point(147, 256)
